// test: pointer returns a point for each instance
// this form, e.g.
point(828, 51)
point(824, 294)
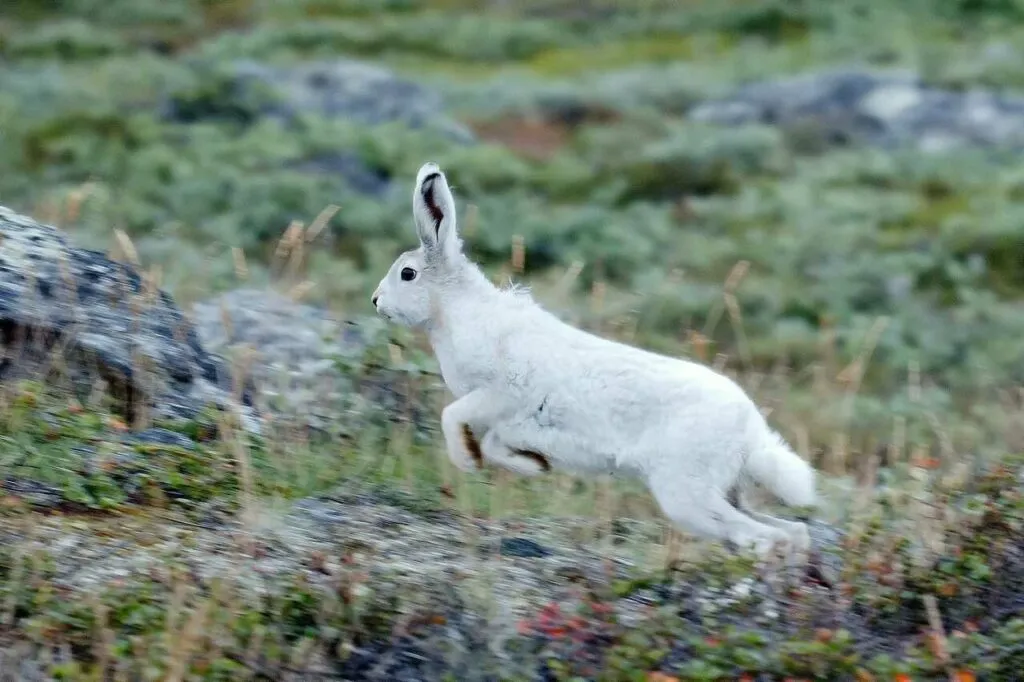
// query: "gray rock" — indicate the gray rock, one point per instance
point(100, 321)
point(158, 436)
point(36, 494)
point(244, 92)
point(889, 109)
point(826, 543)
point(353, 90)
point(285, 332)
point(523, 548)
point(293, 345)
point(352, 169)
point(301, 360)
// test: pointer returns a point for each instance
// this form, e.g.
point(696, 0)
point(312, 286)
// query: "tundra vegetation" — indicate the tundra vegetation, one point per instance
point(852, 257)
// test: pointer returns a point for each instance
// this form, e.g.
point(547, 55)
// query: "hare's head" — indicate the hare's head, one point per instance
point(408, 293)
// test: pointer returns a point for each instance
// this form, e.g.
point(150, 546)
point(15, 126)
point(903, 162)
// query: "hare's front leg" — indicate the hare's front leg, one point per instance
point(463, 420)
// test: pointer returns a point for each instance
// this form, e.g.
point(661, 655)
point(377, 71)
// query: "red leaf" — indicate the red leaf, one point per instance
point(655, 676)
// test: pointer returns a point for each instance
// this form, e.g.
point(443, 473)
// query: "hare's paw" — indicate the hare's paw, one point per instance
point(463, 447)
point(464, 421)
point(464, 451)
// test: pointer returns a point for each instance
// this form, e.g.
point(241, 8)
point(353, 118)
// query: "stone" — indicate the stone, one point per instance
point(354, 90)
point(887, 109)
point(349, 167)
point(347, 89)
point(303, 360)
point(246, 91)
point(159, 436)
point(73, 313)
point(523, 548)
point(293, 345)
point(890, 101)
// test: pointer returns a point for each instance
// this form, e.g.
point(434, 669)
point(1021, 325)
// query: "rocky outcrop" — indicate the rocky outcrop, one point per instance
point(881, 108)
point(74, 315)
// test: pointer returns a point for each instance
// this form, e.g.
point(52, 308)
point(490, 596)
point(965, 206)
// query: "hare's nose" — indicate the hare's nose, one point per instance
point(373, 299)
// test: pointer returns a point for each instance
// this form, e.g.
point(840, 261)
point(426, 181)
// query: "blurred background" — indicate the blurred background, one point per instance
point(825, 198)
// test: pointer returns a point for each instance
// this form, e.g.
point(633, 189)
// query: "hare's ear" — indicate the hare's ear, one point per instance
point(433, 209)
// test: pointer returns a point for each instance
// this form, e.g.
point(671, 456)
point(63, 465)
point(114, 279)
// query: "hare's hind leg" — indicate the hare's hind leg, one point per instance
point(705, 512)
point(523, 462)
point(797, 531)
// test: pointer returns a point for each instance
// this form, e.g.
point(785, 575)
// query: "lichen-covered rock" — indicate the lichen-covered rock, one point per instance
point(74, 314)
point(882, 108)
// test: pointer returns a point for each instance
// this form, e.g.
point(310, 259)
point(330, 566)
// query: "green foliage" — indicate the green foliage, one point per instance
point(81, 458)
point(654, 161)
point(72, 40)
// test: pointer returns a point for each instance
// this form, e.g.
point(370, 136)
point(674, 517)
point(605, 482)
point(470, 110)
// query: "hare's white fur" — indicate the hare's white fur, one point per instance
point(526, 382)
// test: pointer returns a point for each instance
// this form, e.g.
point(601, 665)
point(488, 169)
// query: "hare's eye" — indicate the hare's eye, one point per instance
point(408, 274)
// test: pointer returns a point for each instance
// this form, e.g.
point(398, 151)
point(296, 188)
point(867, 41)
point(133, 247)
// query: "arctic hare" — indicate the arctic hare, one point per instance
point(533, 393)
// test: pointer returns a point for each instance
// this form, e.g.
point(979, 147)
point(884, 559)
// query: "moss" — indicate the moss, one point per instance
point(569, 61)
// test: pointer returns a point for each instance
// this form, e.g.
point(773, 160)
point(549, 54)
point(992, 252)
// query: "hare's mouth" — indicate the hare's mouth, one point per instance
point(427, 191)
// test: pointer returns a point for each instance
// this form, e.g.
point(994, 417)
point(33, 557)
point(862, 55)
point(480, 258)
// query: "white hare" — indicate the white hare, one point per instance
point(534, 393)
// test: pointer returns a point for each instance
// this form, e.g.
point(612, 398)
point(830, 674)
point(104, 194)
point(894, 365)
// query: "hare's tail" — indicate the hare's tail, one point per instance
point(783, 472)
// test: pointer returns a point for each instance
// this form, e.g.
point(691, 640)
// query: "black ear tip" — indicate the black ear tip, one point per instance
point(427, 184)
point(427, 192)
point(427, 189)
